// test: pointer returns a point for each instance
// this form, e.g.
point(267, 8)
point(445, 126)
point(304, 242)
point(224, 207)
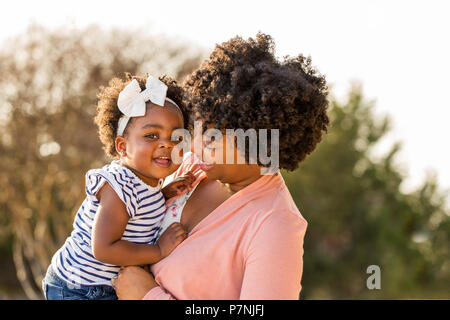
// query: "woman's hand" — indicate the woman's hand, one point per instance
point(133, 283)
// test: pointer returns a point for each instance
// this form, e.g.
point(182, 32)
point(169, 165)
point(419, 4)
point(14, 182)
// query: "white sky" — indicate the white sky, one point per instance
point(398, 49)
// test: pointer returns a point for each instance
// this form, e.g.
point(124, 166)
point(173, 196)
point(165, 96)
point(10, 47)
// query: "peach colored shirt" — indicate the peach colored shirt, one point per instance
point(250, 247)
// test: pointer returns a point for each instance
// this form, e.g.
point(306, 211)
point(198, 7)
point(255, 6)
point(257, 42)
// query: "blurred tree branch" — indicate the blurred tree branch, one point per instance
point(48, 139)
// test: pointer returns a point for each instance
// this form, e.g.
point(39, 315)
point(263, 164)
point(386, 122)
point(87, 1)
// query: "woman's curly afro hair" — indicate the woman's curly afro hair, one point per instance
point(242, 85)
point(108, 113)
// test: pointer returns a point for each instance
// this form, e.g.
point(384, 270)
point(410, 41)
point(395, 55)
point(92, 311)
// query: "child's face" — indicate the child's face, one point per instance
point(148, 146)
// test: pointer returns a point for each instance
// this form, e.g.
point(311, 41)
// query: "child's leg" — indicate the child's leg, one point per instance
point(102, 293)
point(52, 286)
point(89, 293)
point(56, 289)
point(52, 290)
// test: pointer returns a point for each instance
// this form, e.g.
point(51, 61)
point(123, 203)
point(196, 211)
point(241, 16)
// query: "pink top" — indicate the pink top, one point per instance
point(250, 247)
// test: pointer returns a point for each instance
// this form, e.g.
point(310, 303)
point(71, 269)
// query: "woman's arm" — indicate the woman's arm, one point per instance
point(274, 260)
point(109, 225)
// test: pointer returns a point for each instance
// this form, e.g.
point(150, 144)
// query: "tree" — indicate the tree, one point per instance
point(48, 89)
point(358, 216)
point(356, 213)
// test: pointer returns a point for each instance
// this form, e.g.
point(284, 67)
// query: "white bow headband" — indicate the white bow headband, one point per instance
point(131, 101)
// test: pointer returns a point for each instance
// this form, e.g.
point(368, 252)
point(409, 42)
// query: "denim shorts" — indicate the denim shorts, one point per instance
point(55, 288)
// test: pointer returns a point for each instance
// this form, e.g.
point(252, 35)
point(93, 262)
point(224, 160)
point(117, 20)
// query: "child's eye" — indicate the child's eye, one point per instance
point(177, 139)
point(152, 136)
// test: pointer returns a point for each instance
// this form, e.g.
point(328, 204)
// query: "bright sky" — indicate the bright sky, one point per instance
point(398, 50)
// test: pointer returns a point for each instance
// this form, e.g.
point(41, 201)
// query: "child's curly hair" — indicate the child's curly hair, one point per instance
point(108, 113)
point(243, 85)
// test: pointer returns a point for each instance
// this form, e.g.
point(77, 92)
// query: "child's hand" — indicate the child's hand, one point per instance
point(171, 238)
point(179, 186)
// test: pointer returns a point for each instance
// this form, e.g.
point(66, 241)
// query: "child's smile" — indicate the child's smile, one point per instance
point(163, 161)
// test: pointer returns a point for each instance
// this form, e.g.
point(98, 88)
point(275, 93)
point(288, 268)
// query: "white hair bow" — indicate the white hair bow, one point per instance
point(131, 101)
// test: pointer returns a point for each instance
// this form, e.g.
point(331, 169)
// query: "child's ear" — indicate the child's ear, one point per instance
point(121, 146)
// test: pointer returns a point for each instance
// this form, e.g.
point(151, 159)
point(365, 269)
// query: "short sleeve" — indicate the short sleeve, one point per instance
point(274, 261)
point(121, 184)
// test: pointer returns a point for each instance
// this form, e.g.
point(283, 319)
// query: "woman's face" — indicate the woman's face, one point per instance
point(214, 152)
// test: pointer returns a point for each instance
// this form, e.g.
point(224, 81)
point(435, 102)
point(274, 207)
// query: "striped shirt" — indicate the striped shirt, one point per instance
point(74, 262)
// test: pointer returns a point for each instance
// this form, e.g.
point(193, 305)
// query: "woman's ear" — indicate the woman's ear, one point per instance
point(121, 146)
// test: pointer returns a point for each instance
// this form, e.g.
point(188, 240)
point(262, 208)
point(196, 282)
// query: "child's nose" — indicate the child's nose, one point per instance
point(166, 143)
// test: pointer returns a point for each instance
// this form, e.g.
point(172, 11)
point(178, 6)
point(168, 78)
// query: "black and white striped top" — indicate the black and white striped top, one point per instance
point(74, 261)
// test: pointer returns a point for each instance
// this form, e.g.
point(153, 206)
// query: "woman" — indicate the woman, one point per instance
point(245, 234)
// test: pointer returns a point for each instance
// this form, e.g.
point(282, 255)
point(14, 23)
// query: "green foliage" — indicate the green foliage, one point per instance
point(358, 217)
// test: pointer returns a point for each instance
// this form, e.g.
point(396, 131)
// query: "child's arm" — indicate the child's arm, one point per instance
point(110, 223)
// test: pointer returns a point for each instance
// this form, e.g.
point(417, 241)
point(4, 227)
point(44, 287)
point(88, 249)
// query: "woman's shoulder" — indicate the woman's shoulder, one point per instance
point(273, 225)
point(280, 218)
point(277, 207)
